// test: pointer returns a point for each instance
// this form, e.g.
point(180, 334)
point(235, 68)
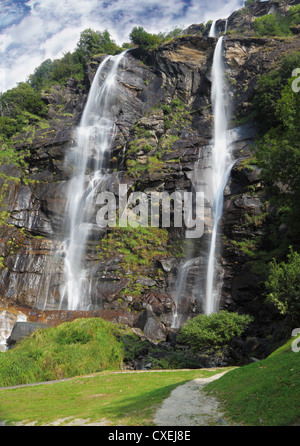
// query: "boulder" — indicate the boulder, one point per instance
point(149, 323)
point(22, 330)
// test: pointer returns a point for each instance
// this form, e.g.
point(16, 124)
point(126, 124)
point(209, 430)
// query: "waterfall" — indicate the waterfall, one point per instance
point(226, 26)
point(7, 322)
point(180, 285)
point(88, 157)
point(221, 164)
point(213, 30)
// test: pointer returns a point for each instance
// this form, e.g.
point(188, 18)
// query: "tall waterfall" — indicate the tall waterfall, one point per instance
point(221, 163)
point(88, 158)
point(213, 29)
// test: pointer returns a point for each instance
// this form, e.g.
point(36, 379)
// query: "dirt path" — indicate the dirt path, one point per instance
point(189, 405)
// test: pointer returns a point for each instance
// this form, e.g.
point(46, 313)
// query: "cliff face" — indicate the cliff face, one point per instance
point(164, 130)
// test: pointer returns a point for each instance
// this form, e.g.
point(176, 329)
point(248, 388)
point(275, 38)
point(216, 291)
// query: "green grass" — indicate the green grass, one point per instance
point(125, 398)
point(71, 349)
point(264, 393)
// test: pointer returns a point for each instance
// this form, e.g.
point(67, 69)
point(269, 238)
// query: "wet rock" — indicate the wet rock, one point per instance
point(22, 330)
point(150, 325)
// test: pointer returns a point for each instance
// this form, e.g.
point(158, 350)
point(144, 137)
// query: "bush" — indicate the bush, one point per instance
point(213, 330)
point(142, 38)
point(277, 25)
point(283, 285)
point(23, 97)
point(267, 25)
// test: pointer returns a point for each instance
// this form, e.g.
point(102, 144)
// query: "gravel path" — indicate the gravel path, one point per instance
point(189, 405)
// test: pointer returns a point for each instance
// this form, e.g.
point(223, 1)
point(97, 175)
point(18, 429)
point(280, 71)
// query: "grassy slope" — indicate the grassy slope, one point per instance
point(124, 398)
point(73, 348)
point(265, 393)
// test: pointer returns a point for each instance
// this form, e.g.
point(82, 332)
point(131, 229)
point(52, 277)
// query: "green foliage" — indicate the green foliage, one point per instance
point(20, 106)
point(143, 39)
point(269, 90)
point(278, 151)
point(96, 42)
point(268, 25)
point(23, 97)
point(277, 25)
point(213, 330)
point(73, 65)
point(139, 246)
point(283, 285)
point(72, 335)
point(250, 2)
point(73, 348)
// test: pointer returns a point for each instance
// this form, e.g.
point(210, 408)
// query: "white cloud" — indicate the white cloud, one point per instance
point(54, 27)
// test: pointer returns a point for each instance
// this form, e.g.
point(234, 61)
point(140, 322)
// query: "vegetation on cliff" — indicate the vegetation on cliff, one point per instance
point(277, 24)
point(277, 153)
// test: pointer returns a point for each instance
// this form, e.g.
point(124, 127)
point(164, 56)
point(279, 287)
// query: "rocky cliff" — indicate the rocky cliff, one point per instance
point(164, 131)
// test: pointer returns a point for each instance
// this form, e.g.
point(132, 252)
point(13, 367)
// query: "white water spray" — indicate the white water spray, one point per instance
point(221, 164)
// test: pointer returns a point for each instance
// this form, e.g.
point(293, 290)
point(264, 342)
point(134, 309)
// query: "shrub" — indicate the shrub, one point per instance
point(23, 97)
point(267, 25)
point(283, 285)
point(142, 38)
point(213, 330)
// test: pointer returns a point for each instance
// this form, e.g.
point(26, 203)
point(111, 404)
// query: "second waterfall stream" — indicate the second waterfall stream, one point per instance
point(221, 165)
point(219, 171)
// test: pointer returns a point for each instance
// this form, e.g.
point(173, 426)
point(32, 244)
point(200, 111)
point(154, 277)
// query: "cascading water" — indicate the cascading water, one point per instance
point(94, 137)
point(213, 30)
point(221, 164)
point(7, 322)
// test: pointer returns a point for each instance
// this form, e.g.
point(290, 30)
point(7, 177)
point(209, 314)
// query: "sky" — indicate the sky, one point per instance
point(32, 31)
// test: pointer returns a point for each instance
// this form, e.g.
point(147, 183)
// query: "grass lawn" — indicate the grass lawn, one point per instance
point(124, 398)
point(264, 393)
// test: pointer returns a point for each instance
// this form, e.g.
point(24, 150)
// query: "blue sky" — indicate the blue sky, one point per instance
point(34, 30)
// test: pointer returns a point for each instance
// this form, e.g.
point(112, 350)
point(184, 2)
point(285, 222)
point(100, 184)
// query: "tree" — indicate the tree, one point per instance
point(142, 38)
point(41, 74)
point(96, 42)
point(283, 285)
point(278, 151)
point(23, 97)
point(267, 25)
